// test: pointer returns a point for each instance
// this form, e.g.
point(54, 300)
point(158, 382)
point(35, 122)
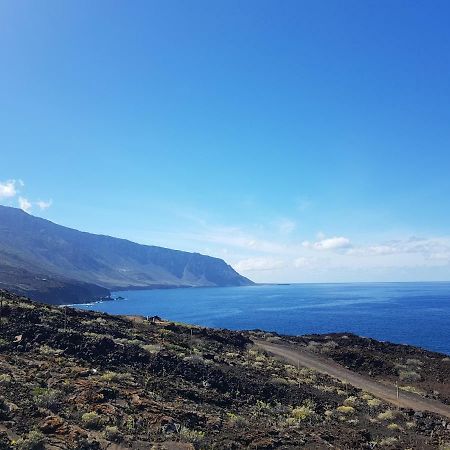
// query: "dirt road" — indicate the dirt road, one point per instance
point(324, 365)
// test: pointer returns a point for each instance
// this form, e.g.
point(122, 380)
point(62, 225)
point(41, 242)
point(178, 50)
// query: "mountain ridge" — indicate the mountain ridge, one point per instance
point(44, 249)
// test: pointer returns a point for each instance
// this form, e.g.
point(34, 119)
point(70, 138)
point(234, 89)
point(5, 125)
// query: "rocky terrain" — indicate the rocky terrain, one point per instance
point(413, 369)
point(56, 264)
point(84, 380)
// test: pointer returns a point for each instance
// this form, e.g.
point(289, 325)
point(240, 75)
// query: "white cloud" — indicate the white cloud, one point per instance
point(11, 188)
point(8, 189)
point(257, 264)
point(24, 204)
point(334, 243)
point(44, 205)
point(437, 249)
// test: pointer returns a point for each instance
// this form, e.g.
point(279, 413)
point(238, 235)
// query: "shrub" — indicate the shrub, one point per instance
point(350, 401)
point(346, 409)
point(151, 348)
point(373, 402)
point(414, 362)
point(48, 351)
point(281, 381)
point(5, 378)
point(115, 377)
point(193, 436)
point(393, 426)
point(237, 421)
point(33, 441)
point(91, 420)
point(112, 434)
point(386, 415)
point(302, 413)
point(262, 407)
point(388, 441)
point(47, 398)
point(314, 347)
point(197, 359)
point(412, 389)
point(409, 375)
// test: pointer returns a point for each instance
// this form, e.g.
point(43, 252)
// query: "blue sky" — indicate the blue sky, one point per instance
point(298, 140)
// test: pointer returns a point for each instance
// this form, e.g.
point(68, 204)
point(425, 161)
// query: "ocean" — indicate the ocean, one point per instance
point(406, 313)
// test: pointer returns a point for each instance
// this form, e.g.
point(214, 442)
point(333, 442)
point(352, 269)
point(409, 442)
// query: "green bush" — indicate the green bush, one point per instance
point(47, 398)
point(5, 378)
point(237, 421)
point(91, 420)
point(373, 402)
point(33, 441)
point(110, 376)
point(346, 409)
point(193, 436)
point(409, 375)
point(303, 412)
point(112, 434)
point(387, 415)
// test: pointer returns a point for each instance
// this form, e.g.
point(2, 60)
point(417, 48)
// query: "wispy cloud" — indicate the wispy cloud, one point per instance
point(333, 243)
point(259, 264)
point(437, 248)
point(25, 204)
point(286, 226)
point(237, 238)
point(44, 205)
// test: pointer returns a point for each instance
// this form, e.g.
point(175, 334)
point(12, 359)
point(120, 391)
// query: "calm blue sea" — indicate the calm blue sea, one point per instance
point(408, 313)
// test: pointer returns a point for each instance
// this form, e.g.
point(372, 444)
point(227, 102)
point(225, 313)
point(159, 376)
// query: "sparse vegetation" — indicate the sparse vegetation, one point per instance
point(112, 433)
point(303, 412)
point(409, 375)
point(91, 420)
point(47, 398)
point(387, 415)
point(110, 376)
point(34, 440)
point(344, 409)
point(119, 381)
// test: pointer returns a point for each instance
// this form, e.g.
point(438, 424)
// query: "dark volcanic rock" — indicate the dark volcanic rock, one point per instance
point(77, 379)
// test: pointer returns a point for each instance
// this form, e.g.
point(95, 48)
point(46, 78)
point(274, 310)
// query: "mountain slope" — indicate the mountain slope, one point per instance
point(49, 251)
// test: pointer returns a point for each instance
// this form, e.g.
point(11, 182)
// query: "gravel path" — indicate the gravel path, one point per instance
point(305, 358)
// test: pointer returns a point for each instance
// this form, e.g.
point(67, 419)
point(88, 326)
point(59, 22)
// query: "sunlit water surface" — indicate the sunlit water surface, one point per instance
point(408, 313)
